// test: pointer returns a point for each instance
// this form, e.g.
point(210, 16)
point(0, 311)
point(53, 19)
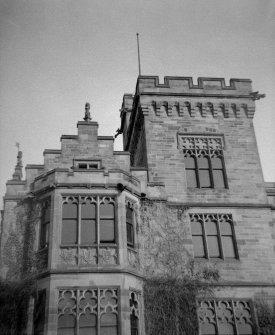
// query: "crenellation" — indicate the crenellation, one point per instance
point(147, 84)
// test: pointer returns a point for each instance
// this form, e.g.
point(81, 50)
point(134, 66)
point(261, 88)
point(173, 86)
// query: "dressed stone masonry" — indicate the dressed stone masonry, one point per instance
point(90, 223)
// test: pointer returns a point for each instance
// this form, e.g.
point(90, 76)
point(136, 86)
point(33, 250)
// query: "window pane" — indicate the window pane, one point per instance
point(69, 232)
point(191, 178)
point(44, 235)
point(129, 214)
point(107, 231)
point(107, 210)
point(211, 228)
point(46, 214)
point(88, 232)
point(204, 177)
point(70, 211)
point(196, 228)
point(213, 246)
point(112, 330)
point(226, 328)
point(226, 228)
point(88, 211)
point(108, 319)
point(87, 321)
point(203, 162)
point(218, 179)
point(87, 331)
point(216, 163)
point(228, 247)
point(189, 162)
point(66, 321)
point(198, 246)
point(245, 329)
point(66, 331)
point(207, 329)
point(130, 233)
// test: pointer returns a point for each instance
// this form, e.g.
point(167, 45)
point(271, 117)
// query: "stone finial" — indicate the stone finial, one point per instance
point(17, 175)
point(87, 116)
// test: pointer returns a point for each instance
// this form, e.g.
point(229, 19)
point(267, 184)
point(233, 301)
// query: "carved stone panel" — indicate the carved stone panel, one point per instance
point(133, 259)
point(87, 256)
point(68, 256)
point(108, 255)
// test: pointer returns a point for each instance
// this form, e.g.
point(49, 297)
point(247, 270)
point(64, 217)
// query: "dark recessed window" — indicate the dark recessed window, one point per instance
point(88, 220)
point(130, 225)
point(87, 165)
point(45, 224)
point(213, 236)
point(204, 162)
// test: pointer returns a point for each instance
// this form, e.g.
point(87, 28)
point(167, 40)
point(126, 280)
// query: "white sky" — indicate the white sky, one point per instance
point(57, 54)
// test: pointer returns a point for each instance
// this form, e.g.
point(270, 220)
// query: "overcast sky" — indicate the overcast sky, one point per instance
point(57, 54)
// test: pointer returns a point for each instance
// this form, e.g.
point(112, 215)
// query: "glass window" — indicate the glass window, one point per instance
point(81, 225)
point(80, 310)
point(45, 225)
point(212, 236)
point(130, 225)
point(217, 317)
point(204, 163)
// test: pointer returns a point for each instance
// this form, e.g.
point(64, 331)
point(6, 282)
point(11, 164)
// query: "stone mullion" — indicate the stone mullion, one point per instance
point(77, 310)
point(196, 165)
point(210, 164)
point(216, 318)
point(78, 227)
point(97, 226)
point(234, 317)
point(219, 237)
point(98, 309)
point(204, 238)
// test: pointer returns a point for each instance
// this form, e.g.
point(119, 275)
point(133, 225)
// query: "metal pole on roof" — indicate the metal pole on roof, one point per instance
point(139, 70)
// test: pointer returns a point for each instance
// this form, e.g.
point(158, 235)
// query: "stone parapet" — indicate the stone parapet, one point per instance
point(185, 85)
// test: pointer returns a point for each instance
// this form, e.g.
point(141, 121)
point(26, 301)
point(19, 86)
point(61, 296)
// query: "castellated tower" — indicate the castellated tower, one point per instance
point(91, 224)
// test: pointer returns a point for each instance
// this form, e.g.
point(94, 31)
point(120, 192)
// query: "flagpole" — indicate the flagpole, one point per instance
point(139, 70)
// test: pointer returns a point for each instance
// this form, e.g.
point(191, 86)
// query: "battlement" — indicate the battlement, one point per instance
point(185, 86)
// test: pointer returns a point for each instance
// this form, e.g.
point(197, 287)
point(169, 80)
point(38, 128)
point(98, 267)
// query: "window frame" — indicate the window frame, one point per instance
point(79, 203)
point(231, 303)
point(130, 206)
point(190, 146)
point(217, 218)
point(91, 164)
point(98, 307)
point(44, 228)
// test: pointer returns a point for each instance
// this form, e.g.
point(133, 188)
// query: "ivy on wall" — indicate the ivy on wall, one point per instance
point(173, 281)
point(14, 302)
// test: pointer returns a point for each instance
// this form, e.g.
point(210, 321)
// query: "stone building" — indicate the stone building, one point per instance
point(89, 223)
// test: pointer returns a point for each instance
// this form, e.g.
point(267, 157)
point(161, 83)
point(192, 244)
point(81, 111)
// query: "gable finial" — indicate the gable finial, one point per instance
point(17, 175)
point(87, 116)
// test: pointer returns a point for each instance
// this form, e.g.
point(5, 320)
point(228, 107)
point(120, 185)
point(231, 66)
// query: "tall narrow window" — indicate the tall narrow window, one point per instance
point(130, 225)
point(204, 161)
point(134, 316)
point(45, 224)
point(39, 313)
point(213, 236)
point(190, 166)
point(70, 222)
point(107, 221)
